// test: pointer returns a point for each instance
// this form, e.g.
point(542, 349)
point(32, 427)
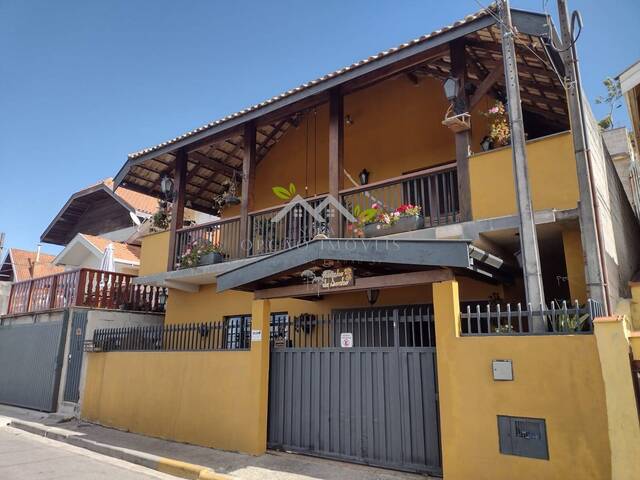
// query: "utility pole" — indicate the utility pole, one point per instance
point(528, 238)
point(591, 244)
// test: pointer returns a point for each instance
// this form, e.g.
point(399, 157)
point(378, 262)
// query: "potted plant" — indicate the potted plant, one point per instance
point(201, 252)
point(499, 131)
point(162, 218)
point(405, 218)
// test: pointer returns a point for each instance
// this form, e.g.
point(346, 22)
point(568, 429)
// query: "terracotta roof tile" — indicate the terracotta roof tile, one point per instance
point(25, 267)
point(121, 251)
point(141, 202)
point(317, 81)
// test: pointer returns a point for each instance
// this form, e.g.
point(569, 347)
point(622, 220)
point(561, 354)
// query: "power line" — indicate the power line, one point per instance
point(516, 34)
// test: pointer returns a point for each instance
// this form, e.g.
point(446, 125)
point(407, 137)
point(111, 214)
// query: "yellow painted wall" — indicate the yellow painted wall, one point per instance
point(552, 176)
point(396, 129)
point(574, 261)
point(207, 305)
point(154, 253)
point(557, 378)
point(214, 399)
point(624, 429)
point(635, 305)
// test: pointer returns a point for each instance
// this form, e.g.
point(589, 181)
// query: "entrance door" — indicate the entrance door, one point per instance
point(357, 385)
point(76, 354)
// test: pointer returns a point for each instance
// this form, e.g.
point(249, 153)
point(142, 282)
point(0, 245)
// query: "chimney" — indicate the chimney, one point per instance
point(38, 253)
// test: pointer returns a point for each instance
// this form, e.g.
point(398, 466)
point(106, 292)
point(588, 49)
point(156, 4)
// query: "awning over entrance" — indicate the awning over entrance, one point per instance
point(399, 262)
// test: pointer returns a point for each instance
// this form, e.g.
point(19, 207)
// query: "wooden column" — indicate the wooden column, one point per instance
point(177, 207)
point(248, 185)
point(336, 155)
point(462, 139)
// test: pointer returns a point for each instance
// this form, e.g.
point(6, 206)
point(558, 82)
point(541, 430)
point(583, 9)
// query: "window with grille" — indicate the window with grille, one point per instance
point(238, 331)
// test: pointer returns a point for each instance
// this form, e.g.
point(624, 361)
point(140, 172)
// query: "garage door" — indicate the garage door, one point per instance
point(30, 364)
point(357, 385)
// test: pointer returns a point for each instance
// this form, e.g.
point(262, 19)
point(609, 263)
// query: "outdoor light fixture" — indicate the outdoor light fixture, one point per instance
point(372, 295)
point(451, 87)
point(486, 144)
point(166, 186)
point(348, 120)
point(364, 176)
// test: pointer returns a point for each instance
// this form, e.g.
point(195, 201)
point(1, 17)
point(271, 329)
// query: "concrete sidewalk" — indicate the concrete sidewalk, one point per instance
point(190, 461)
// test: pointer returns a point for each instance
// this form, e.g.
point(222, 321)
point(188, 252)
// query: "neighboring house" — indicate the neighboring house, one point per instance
point(101, 211)
point(630, 87)
point(19, 265)
point(54, 302)
point(88, 250)
point(321, 336)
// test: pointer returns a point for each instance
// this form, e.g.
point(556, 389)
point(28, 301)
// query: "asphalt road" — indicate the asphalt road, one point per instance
point(23, 455)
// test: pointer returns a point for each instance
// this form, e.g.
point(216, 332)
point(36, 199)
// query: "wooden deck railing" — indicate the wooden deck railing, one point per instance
point(224, 233)
point(85, 288)
point(435, 190)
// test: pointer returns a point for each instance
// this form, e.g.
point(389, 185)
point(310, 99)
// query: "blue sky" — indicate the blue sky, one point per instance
point(84, 83)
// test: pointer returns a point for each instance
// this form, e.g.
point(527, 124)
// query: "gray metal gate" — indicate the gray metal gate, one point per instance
point(30, 363)
point(375, 402)
point(76, 353)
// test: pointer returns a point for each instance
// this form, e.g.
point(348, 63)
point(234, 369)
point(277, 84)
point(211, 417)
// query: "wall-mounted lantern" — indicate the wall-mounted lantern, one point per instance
point(372, 295)
point(451, 87)
point(166, 187)
point(364, 176)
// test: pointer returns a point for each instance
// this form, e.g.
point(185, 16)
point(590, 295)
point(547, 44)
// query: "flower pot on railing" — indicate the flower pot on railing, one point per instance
point(403, 224)
point(210, 258)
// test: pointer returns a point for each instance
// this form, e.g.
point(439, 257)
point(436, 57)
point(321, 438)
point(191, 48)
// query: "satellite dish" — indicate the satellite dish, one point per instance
point(134, 218)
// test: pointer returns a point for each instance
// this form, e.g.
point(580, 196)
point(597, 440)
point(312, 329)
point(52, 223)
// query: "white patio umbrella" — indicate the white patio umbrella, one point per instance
point(107, 264)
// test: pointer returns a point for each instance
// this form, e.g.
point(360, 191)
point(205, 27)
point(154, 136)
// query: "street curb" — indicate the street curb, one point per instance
point(161, 464)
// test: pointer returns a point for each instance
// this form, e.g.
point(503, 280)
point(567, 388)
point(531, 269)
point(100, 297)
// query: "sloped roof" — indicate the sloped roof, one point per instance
point(215, 150)
point(23, 265)
point(141, 202)
point(97, 209)
point(121, 251)
point(317, 81)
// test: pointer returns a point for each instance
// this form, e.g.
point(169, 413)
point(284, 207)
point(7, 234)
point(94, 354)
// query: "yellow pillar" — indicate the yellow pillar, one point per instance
point(574, 261)
point(446, 306)
point(635, 304)
point(624, 431)
point(260, 317)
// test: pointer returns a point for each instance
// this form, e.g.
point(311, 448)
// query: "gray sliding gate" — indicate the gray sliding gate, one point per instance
point(30, 363)
point(374, 402)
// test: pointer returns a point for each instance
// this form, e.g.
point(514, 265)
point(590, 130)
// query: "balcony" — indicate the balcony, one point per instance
point(85, 287)
point(435, 190)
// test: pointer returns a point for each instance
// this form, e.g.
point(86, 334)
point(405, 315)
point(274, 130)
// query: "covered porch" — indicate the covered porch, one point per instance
point(368, 134)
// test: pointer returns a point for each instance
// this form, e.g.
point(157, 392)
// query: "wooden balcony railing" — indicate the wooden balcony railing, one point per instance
point(435, 190)
point(85, 288)
point(224, 233)
point(296, 227)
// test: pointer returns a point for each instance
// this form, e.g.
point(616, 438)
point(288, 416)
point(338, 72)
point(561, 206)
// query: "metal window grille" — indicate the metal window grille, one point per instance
point(224, 335)
point(559, 318)
point(238, 329)
point(366, 328)
point(278, 326)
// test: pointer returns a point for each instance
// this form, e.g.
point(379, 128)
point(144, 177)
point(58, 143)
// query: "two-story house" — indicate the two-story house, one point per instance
point(368, 223)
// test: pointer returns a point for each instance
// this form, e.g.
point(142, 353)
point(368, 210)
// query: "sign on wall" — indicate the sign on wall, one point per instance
point(346, 340)
point(338, 277)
